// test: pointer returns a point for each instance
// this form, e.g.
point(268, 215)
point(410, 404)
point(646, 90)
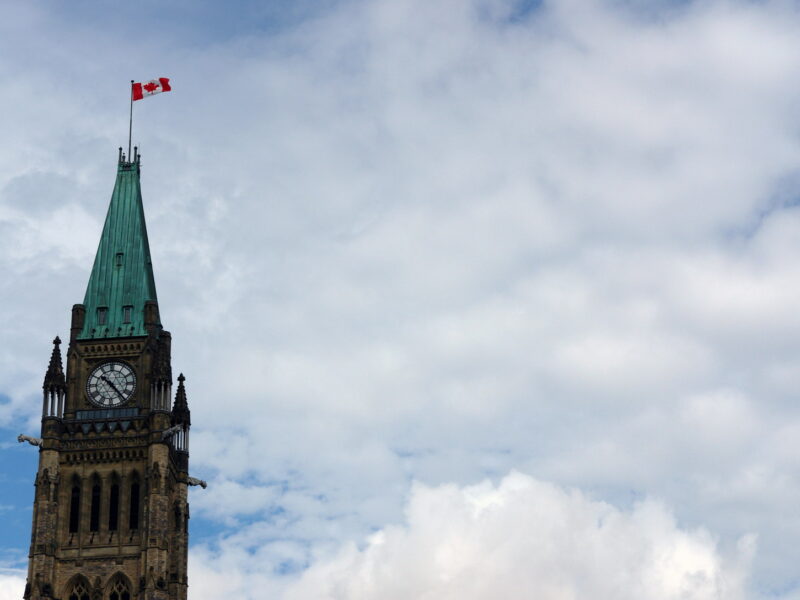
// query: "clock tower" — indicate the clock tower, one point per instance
point(110, 513)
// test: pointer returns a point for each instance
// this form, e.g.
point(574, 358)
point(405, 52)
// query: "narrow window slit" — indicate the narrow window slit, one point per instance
point(133, 519)
point(113, 508)
point(94, 521)
point(75, 509)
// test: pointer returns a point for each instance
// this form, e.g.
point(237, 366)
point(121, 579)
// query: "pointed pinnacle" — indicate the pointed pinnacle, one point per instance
point(55, 370)
point(180, 409)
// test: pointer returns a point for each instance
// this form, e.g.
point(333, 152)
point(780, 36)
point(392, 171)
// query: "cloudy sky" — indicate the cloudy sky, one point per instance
point(475, 299)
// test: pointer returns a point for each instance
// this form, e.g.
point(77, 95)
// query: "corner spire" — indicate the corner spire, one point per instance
point(180, 409)
point(54, 378)
point(54, 386)
point(122, 285)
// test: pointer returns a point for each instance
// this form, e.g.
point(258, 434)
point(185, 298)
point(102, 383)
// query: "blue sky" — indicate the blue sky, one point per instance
point(474, 298)
point(17, 498)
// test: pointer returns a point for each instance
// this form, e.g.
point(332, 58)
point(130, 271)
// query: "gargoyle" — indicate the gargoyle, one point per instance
point(21, 438)
point(195, 481)
point(168, 433)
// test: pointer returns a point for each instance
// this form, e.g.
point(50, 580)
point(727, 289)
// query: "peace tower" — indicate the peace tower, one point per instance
point(110, 513)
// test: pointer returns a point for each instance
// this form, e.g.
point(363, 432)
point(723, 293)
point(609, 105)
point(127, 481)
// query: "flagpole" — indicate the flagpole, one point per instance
point(130, 125)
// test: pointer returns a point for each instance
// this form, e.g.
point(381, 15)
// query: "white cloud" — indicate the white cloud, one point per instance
point(521, 538)
point(12, 585)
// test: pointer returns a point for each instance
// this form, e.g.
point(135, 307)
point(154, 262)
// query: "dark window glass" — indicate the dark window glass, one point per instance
point(75, 509)
point(133, 520)
point(94, 520)
point(126, 314)
point(79, 592)
point(119, 259)
point(113, 508)
point(102, 316)
point(120, 591)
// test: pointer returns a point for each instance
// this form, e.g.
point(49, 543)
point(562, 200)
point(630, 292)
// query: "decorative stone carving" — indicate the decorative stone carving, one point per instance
point(195, 481)
point(48, 483)
point(155, 478)
point(168, 433)
point(21, 438)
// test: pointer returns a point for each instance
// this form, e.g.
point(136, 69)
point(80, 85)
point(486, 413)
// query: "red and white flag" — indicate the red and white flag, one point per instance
point(155, 86)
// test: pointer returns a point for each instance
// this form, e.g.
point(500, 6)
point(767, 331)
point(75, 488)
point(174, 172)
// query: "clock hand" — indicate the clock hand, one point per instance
point(109, 382)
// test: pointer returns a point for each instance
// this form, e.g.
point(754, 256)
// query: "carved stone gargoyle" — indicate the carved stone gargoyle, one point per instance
point(21, 438)
point(195, 481)
point(168, 433)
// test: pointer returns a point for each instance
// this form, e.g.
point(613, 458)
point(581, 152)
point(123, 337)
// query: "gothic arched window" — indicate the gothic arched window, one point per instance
point(133, 517)
point(79, 591)
point(94, 515)
point(120, 590)
point(75, 506)
point(113, 505)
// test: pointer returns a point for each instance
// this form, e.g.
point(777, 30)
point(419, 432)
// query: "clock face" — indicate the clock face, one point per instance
point(111, 384)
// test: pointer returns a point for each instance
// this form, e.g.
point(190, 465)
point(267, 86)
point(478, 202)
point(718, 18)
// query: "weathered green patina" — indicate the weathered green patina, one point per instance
point(122, 276)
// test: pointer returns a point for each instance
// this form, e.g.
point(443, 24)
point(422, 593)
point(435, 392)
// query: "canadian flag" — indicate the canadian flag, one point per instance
point(155, 86)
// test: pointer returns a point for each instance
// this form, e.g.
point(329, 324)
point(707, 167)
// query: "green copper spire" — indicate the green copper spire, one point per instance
point(122, 276)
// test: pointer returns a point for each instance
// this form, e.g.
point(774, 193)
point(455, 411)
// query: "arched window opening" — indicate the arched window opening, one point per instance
point(133, 518)
point(120, 590)
point(177, 512)
point(79, 592)
point(94, 515)
point(113, 507)
point(75, 508)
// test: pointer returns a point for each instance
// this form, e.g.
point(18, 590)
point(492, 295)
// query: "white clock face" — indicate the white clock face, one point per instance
point(111, 384)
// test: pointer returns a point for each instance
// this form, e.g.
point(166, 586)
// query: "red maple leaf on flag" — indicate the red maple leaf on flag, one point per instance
point(155, 86)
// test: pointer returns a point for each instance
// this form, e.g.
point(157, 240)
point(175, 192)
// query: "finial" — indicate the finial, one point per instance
point(181, 378)
point(119, 158)
point(57, 341)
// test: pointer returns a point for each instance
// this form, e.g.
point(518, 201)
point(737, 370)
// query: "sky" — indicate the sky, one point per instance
point(474, 298)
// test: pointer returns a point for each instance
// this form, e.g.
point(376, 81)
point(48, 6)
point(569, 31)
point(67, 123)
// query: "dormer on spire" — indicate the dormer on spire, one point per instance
point(122, 285)
point(55, 384)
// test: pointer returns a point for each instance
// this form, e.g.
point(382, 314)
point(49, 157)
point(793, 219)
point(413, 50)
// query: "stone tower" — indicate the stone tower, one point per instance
point(110, 513)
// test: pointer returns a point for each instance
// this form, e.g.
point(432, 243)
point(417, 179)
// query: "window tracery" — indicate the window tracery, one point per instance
point(79, 591)
point(120, 590)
